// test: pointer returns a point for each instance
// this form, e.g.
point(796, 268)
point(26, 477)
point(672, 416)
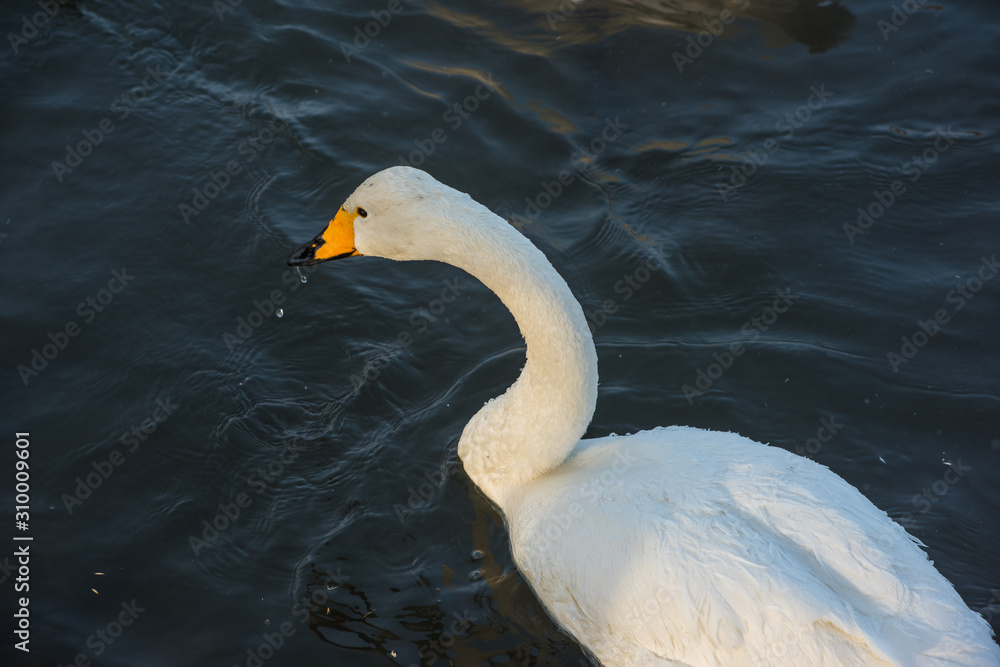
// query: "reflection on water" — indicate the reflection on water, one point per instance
point(818, 24)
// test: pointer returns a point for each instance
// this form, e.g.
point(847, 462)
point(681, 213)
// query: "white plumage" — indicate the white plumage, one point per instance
point(675, 546)
point(695, 547)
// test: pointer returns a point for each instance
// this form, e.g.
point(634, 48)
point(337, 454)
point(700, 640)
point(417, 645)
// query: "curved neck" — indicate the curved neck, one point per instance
point(533, 427)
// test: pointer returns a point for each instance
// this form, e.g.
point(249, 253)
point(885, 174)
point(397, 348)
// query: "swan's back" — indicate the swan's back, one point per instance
point(691, 547)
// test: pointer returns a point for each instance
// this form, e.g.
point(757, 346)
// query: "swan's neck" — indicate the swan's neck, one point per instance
point(532, 428)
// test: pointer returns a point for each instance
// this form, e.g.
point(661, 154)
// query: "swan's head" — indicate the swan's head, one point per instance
point(399, 213)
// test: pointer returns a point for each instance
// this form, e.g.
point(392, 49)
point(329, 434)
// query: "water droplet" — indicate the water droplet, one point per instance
point(280, 312)
point(477, 554)
point(302, 276)
point(476, 575)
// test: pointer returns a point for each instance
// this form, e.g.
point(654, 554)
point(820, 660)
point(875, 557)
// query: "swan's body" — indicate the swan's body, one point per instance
point(675, 546)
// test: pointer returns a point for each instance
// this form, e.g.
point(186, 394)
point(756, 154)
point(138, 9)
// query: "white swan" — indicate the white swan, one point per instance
point(676, 546)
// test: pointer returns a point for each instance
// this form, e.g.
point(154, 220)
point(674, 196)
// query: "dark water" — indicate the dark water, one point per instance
point(353, 536)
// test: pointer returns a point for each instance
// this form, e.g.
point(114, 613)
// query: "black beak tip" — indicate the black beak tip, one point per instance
point(296, 259)
point(305, 254)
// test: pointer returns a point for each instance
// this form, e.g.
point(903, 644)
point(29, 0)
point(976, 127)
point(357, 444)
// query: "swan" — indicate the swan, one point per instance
point(674, 546)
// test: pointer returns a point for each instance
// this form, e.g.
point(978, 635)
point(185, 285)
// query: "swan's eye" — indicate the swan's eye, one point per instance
point(362, 212)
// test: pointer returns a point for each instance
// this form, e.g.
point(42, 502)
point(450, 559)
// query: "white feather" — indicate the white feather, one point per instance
point(675, 546)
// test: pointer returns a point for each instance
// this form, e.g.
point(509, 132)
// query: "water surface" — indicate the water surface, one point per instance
point(346, 531)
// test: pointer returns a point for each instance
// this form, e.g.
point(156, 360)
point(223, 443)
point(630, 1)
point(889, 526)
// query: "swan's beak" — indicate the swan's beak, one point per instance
point(334, 243)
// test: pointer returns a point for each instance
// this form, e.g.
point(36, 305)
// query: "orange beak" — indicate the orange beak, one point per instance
point(336, 242)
